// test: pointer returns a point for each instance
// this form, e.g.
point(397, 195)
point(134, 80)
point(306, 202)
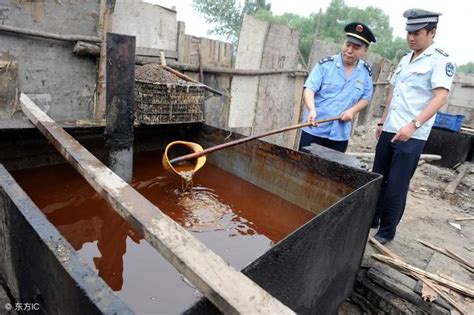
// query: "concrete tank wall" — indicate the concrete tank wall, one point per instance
point(40, 267)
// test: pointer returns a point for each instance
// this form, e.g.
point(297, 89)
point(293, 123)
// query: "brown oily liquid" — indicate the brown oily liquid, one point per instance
point(237, 220)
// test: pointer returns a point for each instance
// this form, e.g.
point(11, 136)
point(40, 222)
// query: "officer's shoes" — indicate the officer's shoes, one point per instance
point(382, 240)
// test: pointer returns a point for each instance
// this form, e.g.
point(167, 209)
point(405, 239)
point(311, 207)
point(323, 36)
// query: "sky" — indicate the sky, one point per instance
point(453, 35)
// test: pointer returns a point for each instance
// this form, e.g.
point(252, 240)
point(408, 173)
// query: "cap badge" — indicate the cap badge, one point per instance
point(359, 28)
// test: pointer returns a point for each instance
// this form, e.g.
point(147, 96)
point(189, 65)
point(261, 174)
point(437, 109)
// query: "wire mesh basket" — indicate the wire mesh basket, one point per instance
point(163, 98)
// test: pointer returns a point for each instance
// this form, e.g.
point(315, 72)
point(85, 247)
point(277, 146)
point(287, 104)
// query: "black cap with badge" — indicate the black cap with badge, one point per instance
point(419, 18)
point(359, 34)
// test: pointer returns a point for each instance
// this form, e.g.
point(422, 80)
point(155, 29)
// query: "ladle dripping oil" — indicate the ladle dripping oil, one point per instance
point(199, 154)
point(184, 169)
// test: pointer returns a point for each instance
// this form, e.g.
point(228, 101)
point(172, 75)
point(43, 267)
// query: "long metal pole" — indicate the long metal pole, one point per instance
point(195, 155)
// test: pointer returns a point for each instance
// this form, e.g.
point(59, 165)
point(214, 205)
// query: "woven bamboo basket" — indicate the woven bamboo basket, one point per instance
point(163, 98)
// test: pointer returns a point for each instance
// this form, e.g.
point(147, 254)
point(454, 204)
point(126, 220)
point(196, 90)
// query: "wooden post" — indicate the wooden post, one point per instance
point(120, 84)
point(105, 25)
point(229, 290)
point(294, 136)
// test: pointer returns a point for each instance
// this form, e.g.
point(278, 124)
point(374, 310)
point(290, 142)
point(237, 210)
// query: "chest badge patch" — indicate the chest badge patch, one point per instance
point(450, 69)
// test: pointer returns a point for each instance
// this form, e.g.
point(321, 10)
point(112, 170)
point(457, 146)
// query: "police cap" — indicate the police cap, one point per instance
point(419, 18)
point(359, 34)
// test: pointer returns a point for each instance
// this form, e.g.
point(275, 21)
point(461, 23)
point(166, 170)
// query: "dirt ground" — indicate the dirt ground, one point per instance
point(430, 215)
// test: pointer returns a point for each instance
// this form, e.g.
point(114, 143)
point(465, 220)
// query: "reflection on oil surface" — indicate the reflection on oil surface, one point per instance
point(236, 219)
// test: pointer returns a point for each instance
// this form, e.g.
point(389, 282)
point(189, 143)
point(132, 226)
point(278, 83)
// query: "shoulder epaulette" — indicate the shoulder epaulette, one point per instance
point(442, 52)
point(324, 60)
point(367, 66)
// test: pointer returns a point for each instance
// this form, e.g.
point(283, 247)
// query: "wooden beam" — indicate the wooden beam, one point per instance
point(140, 60)
point(86, 49)
point(293, 139)
point(155, 52)
point(229, 290)
point(459, 287)
point(426, 157)
point(189, 79)
point(68, 38)
point(143, 60)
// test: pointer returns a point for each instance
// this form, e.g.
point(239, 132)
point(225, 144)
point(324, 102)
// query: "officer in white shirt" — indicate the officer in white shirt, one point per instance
point(419, 88)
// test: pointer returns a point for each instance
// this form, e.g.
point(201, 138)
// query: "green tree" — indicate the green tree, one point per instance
point(227, 15)
point(338, 14)
point(466, 68)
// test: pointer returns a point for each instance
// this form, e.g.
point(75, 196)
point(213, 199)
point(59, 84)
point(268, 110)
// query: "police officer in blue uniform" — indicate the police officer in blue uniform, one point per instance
point(419, 88)
point(338, 86)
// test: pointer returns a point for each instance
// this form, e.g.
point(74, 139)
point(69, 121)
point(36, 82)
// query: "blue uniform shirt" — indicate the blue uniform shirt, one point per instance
point(335, 94)
point(413, 84)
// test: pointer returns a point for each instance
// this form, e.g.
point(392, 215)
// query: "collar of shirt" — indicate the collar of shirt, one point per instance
point(340, 63)
point(428, 52)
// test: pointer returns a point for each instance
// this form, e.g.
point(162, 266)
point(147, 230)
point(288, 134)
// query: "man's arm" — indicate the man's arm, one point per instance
point(349, 114)
point(308, 97)
point(439, 98)
point(364, 100)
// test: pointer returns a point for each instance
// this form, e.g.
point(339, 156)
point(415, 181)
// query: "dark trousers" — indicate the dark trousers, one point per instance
point(397, 162)
point(306, 140)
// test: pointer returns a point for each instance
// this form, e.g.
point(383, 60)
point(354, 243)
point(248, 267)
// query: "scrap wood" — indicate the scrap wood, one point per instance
point(449, 254)
point(465, 263)
point(371, 155)
point(464, 219)
point(459, 287)
point(4, 64)
point(452, 186)
point(428, 294)
point(428, 291)
point(185, 77)
point(440, 292)
point(425, 281)
point(464, 128)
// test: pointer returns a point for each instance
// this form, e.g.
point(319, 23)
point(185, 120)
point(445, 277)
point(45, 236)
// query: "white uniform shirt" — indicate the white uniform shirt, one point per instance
point(413, 84)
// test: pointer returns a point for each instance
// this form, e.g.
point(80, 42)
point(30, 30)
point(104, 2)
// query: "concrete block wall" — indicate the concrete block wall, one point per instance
point(58, 81)
point(154, 26)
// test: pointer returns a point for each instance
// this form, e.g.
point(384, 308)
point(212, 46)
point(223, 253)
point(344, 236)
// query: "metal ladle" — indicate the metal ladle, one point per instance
point(199, 154)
